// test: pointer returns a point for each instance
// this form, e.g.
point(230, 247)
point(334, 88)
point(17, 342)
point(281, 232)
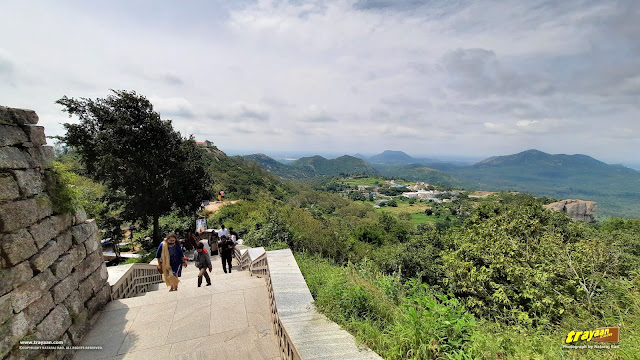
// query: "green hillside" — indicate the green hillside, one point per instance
point(343, 165)
point(279, 169)
point(240, 178)
point(615, 187)
point(310, 167)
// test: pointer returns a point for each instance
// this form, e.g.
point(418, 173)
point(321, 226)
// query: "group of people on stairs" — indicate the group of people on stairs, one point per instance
point(171, 258)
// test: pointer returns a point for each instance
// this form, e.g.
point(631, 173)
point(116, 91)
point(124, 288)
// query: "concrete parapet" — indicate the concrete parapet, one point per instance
point(303, 332)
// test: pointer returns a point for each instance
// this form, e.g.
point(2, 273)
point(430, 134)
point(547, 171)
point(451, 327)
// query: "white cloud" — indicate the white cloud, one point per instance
point(344, 75)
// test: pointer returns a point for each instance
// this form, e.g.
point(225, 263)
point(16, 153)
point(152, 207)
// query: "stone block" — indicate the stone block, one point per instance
point(97, 302)
point(93, 227)
point(104, 273)
point(89, 265)
point(35, 312)
point(64, 288)
point(15, 276)
point(9, 189)
point(35, 134)
point(11, 135)
point(6, 307)
point(43, 232)
point(18, 246)
point(42, 155)
point(74, 303)
point(46, 256)
point(11, 332)
point(81, 232)
point(92, 243)
point(18, 214)
point(79, 327)
point(64, 241)
point(17, 116)
point(78, 254)
point(54, 325)
point(44, 206)
point(80, 216)
point(63, 222)
point(85, 291)
point(30, 291)
point(29, 181)
point(62, 267)
point(14, 158)
point(96, 280)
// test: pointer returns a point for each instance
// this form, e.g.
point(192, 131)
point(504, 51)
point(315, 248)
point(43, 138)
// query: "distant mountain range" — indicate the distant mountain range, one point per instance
point(392, 157)
point(309, 167)
point(616, 188)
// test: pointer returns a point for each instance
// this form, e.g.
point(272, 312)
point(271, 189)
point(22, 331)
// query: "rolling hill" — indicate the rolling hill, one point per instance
point(615, 187)
point(391, 157)
point(309, 167)
point(342, 165)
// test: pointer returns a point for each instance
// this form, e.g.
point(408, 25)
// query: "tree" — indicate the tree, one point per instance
point(147, 167)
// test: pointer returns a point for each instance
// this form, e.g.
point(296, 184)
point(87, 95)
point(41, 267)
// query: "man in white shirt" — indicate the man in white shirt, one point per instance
point(223, 231)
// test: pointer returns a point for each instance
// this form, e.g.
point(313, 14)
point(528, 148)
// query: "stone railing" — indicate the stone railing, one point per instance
point(135, 281)
point(252, 259)
point(303, 333)
point(241, 253)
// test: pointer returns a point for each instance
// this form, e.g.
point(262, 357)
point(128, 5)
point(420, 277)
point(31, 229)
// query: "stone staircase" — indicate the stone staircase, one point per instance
point(231, 319)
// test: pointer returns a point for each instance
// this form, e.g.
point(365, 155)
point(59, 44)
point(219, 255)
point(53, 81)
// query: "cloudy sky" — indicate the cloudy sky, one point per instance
point(431, 78)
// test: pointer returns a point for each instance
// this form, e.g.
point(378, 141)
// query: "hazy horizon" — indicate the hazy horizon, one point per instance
point(431, 78)
point(294, 155)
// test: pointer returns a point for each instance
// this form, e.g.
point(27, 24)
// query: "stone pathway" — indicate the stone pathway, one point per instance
point(230, 319)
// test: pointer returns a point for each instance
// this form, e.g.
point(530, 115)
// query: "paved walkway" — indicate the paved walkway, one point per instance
point(230, 319)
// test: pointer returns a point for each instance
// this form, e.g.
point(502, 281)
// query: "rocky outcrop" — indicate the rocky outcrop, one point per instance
point(580, 210)
point(52, 277)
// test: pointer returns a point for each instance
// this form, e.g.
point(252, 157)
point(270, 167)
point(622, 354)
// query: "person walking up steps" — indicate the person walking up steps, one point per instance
point(170, 261)
point(202, 262)
point(225, 248)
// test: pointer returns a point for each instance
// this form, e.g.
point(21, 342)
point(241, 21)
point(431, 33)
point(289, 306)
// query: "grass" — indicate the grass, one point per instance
point(416, 211)
point(422, 218)
point(415, 322)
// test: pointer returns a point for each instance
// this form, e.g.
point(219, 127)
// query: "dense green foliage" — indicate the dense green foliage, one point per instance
point(399, 321)
point(242, 179)
point(500, 277)
point(148, 169)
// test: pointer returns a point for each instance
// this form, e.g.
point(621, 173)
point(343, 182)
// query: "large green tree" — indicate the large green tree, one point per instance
point(148, 168)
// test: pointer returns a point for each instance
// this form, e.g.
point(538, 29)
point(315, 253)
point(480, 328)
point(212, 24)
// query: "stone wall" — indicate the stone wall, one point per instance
point(52, 276)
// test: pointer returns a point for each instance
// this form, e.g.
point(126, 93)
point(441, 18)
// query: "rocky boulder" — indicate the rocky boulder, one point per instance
point(580, 210)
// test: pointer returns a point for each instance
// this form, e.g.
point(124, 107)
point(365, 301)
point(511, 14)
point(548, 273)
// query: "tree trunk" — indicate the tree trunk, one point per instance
point(156, 230)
